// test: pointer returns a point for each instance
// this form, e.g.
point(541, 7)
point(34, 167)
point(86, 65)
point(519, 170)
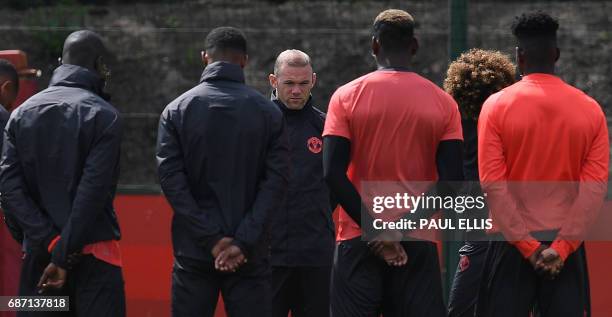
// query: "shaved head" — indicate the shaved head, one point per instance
point(293, 58)
point(293, 78)
point(83, 48)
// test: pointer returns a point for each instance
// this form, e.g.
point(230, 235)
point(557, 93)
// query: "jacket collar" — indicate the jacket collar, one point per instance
point(284, 108)
point(68, 75)
point(223, 71)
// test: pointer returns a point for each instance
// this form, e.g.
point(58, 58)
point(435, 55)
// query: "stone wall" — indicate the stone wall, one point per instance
point(157, 47)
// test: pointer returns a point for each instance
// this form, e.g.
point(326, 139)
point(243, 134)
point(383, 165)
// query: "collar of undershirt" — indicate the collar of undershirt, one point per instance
point(396, 68)
point(541, 78)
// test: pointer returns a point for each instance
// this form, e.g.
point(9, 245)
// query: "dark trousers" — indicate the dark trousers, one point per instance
point(302, 290)
point(364, 285)
point(510, 286)
point(95, 288)
point(464, 291)
point(196, 286)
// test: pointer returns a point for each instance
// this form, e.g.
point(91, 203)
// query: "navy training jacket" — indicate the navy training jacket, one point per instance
point(223, 164)
point(60, 164)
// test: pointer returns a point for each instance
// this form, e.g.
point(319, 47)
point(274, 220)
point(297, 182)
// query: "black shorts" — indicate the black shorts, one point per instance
point(511, 287)
point(364, 285)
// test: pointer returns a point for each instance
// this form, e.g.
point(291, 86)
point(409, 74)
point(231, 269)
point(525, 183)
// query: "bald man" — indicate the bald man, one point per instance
point(59, 171)
point(302, 230)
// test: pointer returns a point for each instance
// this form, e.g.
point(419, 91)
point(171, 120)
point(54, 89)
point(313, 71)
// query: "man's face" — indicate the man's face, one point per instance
point(293, 85)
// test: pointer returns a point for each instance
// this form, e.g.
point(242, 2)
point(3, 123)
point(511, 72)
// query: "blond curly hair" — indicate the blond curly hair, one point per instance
point(474, 76)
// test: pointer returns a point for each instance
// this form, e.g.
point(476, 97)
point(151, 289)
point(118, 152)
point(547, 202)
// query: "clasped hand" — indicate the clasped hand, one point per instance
point(547, 262)
point(228, 257)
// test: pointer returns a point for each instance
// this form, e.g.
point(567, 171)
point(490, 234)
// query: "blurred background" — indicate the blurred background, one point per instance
point(157, 44)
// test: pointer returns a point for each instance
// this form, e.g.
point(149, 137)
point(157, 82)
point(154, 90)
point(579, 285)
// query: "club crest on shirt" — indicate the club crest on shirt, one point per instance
point(315, 145)
point(464, 263)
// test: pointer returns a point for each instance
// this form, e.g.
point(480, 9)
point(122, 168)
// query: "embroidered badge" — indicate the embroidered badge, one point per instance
point(315, 145)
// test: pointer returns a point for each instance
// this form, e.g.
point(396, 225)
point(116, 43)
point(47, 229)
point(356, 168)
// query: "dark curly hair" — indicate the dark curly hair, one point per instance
point(474, 76)
point(535, 24)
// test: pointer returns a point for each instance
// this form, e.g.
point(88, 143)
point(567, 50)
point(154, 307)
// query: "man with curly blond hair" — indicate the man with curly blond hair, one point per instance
point(471, 79)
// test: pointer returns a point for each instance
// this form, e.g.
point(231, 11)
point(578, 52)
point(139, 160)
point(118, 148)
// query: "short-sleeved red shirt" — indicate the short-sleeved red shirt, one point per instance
point(394, 121)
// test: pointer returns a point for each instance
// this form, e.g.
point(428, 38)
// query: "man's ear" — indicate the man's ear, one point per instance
point(273, 80)
point(518, 56)
point(244, 61)
point(6, 88)
point(8, 93)
point(414, 46)
point(205, 57)
point(314, 79)
point(558, 54)
point(375, 46)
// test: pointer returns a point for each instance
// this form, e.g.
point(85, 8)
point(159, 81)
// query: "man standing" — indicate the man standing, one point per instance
point(60, 166)
point(389, 125)
point(303, 230)
point(9, 88)
point(471, 79)
point(540, 131)
point(223, 165)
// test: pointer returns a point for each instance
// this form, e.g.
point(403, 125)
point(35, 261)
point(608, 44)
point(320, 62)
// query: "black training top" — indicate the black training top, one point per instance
point(222, 159)
point(60, 164)
point(303, 229)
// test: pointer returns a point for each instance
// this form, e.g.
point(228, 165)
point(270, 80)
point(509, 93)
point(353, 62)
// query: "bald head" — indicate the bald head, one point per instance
point(83, 48)
point(293, 58)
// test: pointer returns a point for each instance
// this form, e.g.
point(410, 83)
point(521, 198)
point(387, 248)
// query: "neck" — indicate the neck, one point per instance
point(393, 62)
point(69, 61)
point(542, 69)
point(227, 59)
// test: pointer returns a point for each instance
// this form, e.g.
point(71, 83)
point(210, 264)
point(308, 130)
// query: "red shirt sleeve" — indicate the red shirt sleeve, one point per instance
point(453, 127)
point(337, 120)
